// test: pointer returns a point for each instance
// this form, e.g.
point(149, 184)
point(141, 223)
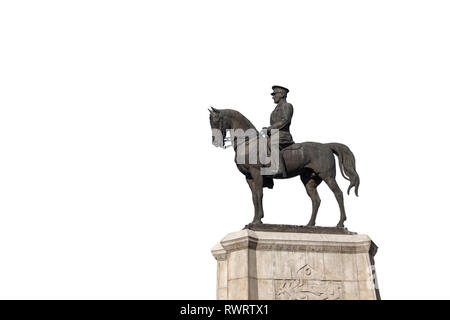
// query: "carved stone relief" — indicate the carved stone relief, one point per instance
point(304, 289)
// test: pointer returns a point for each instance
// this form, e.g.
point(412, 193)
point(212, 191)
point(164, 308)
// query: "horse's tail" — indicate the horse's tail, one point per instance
point(346, 164)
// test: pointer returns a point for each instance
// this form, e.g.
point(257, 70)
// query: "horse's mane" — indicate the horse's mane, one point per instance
point(238, 119)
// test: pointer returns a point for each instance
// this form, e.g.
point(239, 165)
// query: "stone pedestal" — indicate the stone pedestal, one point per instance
point(290, 264)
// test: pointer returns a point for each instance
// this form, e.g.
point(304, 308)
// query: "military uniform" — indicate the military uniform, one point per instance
point(281, 118)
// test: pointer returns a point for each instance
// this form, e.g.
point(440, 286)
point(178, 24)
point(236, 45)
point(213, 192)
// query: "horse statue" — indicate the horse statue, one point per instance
point(313, 162)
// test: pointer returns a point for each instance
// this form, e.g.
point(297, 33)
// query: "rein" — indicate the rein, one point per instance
point(229, 139)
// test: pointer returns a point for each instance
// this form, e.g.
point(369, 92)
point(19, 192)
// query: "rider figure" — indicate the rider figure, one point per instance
point(281, 119)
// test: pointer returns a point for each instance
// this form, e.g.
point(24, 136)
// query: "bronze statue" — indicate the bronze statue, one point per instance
point(313, 162)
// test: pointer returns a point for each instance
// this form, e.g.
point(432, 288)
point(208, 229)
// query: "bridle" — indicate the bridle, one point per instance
point(229, 139)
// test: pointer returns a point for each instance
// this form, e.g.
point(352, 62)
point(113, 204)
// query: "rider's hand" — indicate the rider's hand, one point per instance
point(265, 132)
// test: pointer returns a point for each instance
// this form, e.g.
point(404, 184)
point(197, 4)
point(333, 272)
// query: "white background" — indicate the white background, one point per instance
point(110, 186)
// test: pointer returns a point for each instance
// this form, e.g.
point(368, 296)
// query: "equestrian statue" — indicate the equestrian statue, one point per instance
point(314, 162)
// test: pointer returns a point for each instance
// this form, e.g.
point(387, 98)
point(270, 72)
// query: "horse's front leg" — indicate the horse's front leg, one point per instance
point(256, 186)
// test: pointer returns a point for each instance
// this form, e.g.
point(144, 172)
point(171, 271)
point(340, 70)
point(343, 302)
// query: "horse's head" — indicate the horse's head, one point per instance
point(216, 119)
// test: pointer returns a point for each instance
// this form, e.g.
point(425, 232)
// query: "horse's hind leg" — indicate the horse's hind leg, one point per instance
point(331, 182)
point(311, 189)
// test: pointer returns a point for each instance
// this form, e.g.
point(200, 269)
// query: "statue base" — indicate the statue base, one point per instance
point(292, 228)
point(271, 262)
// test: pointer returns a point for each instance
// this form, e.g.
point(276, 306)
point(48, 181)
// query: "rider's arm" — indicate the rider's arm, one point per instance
point(286, 116)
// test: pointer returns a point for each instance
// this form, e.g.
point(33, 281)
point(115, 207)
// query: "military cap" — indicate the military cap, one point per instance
point(279, 89)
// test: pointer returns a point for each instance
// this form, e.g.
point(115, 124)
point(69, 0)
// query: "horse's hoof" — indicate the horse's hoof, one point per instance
point(340, 225)
point(311, 224)
point(256, 222)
